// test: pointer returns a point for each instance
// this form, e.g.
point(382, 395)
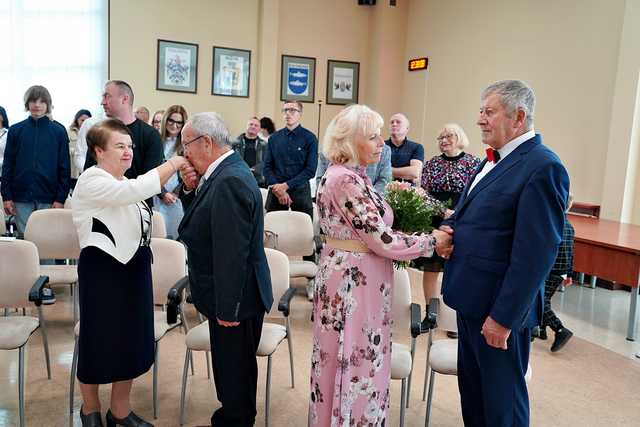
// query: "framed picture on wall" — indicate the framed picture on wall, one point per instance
point(342, 82)
point(177, 68)
point(231, 72)
point(297, 78)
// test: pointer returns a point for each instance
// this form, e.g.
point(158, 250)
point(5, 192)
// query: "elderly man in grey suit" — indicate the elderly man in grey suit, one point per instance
point(228, 272)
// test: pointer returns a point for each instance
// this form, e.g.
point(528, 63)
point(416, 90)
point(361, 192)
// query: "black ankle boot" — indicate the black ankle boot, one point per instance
point(132, 420)
point(93, 419)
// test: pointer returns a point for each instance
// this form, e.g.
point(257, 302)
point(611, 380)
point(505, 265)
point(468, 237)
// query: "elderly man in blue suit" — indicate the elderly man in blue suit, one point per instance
point(507, 227)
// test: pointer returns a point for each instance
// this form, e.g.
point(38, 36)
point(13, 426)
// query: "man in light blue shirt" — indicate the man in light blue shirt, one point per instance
point(379, 173)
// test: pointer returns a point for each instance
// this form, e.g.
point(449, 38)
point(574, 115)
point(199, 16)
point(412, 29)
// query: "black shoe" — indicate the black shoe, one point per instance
point(132, 420)
point(452, 334)
point(539, 332)
point(93, 419)
point(562, 337)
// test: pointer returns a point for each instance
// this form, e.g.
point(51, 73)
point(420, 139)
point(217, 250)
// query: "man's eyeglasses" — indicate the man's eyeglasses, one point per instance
point(186, 144)
point(178, 123)
point(290, 110)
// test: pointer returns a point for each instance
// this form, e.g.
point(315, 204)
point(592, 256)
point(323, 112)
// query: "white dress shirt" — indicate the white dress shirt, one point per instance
point(504, 152)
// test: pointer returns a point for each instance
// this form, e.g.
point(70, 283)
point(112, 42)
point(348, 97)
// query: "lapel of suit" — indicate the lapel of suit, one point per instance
point(503, 166)
point(233, 158)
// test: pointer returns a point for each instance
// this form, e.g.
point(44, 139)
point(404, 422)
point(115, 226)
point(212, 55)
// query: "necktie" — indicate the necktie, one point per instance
point(200, 184)
point(493, 155)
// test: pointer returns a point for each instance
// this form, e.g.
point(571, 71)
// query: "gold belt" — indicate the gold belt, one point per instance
point(346, 245)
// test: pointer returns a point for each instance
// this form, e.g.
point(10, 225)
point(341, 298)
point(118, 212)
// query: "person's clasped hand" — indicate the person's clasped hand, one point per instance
point(444, 243)
point(189, 175)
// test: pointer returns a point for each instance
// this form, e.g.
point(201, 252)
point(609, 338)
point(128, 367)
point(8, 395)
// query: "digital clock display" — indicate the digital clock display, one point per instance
point(418, 64)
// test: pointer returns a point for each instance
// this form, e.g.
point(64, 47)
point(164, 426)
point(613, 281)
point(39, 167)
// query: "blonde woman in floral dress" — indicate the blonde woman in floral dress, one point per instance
point(351, 360)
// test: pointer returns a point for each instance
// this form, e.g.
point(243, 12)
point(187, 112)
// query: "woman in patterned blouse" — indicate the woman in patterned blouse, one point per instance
point(444, 177)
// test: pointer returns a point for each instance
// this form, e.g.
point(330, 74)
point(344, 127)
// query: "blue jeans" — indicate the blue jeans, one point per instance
point(24, 211)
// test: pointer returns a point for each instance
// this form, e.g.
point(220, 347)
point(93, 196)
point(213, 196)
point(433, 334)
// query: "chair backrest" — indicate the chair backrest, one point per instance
point(54, 234)
point(316, 220)
point(158, 227)
point(19, 270)
point(3, 226)
point(294, 231)
point(401, 303)
point(447, 318)
point(169, 266)
point(264, 192)
point(279, 268)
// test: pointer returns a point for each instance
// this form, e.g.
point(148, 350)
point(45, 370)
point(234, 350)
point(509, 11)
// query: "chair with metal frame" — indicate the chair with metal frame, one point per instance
point(272, 333)
point(21, 284)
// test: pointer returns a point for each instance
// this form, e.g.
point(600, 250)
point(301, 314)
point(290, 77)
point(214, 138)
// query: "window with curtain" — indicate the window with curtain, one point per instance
point(59, 44)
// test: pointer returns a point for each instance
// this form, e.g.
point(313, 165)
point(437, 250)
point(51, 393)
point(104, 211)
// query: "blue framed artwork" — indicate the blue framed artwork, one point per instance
point(177, 68)
point(297, 78)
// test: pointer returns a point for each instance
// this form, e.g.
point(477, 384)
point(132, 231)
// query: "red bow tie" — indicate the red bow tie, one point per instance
point(493, 155)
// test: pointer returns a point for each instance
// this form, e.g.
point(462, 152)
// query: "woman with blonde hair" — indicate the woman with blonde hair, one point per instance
point(351, 358)
point(167, 202)
point(444, 178)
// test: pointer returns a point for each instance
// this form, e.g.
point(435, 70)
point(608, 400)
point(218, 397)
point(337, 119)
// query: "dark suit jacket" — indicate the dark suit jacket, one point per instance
point(223, 229)
point(506, 236)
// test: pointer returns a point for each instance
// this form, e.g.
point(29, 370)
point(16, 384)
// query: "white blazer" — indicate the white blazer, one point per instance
point(105, 211)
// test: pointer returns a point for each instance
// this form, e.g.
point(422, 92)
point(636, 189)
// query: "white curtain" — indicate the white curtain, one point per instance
point(59, 44)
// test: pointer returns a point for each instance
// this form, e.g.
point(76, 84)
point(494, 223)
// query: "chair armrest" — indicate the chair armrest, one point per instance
point(433, 309)
point(174, 299)
point(415, 320)
point(35, 294)
point(283, 304)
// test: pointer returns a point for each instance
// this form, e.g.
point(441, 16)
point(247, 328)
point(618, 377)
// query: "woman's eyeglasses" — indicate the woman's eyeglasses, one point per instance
point(178, 123)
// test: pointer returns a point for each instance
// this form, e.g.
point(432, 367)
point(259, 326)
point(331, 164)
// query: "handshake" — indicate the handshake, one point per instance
point(444, 241)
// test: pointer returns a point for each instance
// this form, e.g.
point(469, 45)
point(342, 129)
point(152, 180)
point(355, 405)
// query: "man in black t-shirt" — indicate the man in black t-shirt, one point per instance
point(117, 102)
point(250, 146)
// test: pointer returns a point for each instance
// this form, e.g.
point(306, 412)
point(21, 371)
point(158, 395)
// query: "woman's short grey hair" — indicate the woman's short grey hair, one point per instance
point(462, 141)
point(338, 144)
point(211, 124)
point(514, 95)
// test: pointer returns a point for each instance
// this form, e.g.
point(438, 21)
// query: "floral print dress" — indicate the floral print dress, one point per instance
point(351, 359)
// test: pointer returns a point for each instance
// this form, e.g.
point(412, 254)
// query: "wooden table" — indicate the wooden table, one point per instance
point(610, 250)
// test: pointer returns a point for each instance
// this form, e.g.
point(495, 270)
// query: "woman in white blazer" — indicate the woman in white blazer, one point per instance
point(116, 341)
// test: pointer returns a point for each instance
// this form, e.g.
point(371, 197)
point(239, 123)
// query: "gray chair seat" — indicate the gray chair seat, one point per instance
point(198, 337)
point(302, 269)
point(443, 356)
point(400, 361)
point(16, 330)
point(60, 273)
point(272, 335)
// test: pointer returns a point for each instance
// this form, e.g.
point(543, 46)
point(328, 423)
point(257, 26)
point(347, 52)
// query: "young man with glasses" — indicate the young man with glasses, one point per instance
point(290, 162)
point(251, 147)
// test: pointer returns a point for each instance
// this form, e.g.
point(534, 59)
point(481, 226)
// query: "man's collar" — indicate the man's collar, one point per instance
point(294, 129)
point(401, 143)
point(515, 143)
point(215, 164)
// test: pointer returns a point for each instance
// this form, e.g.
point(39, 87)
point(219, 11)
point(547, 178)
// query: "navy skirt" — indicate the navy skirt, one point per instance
point(116, 340)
